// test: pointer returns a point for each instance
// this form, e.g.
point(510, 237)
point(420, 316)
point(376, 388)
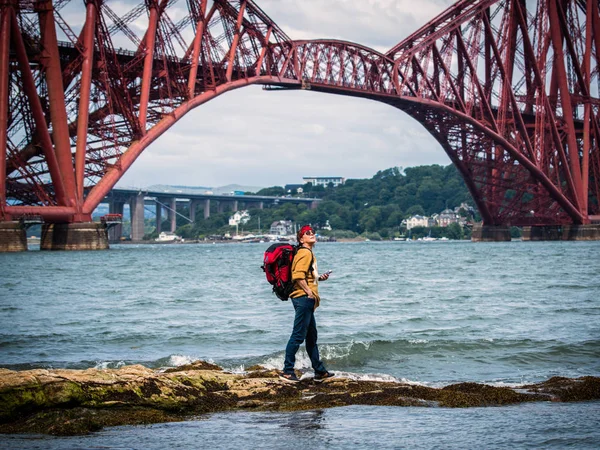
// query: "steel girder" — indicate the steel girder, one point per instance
point(519, 81)
point(509, 89)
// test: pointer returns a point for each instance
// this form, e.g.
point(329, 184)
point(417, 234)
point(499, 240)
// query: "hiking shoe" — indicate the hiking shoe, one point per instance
point(320, 377)
point(289, 377)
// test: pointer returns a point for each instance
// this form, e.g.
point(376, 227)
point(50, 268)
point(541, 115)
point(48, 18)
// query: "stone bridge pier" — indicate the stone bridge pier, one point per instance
point(55, 236)
point(13, 237)
point(589, 232)
point(490, 233)
point(74, 236)
point(115, 232)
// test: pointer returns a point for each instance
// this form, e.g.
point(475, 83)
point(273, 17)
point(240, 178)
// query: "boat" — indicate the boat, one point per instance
point(428, 238)
point(166, 236)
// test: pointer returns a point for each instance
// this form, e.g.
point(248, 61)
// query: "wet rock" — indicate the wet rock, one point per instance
point(196, 365)
point(80, 401)
point(474, 394)
point(569, 389)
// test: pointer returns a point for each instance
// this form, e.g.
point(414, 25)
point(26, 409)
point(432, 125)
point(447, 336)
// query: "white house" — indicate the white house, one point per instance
point(417, 221)
point(324, 181)
point(239, 217)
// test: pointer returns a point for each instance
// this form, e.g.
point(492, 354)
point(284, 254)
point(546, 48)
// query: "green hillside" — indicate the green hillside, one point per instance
point(374, 206)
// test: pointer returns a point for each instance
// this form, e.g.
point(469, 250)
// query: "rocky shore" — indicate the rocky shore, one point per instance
point(70, 402)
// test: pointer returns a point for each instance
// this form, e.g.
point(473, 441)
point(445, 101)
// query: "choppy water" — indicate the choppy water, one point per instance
point(427, 312)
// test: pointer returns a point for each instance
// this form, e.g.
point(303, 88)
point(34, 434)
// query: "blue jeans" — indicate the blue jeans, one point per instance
point(305, 328)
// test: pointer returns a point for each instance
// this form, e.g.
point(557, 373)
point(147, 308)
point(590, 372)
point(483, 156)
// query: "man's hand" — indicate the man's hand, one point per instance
point(304, 285)
point(325, 275)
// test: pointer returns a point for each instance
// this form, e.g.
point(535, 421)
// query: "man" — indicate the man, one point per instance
point(305, 298)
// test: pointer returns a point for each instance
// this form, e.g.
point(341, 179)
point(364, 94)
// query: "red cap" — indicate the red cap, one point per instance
point(306, 228)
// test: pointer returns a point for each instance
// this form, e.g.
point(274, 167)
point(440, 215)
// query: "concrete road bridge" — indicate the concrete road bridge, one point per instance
point(169, 200)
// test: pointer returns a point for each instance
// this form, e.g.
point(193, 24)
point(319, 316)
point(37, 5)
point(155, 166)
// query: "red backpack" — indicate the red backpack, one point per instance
point(278, 268)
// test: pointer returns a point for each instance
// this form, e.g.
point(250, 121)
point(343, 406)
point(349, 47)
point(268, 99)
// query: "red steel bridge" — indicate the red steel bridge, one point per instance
point(509, 88)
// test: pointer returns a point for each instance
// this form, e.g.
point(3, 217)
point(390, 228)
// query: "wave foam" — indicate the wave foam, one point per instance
point(109, 365)
point(380, 377)
point(180, 360)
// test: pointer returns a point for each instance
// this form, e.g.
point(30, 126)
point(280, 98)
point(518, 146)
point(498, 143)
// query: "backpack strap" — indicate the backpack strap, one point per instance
point(312, 256)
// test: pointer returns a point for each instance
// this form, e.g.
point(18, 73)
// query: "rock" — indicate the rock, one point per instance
point(568, 389)
point(196, 365)
point(67, 402)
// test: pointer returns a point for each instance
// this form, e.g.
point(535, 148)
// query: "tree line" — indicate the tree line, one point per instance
point(373, 207)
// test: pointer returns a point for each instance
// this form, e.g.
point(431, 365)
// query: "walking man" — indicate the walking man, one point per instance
point(305, 298)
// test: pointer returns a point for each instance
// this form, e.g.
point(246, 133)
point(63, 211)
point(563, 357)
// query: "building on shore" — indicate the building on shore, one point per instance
point(282, 228)
point(417, 221)
point(239, 218)
point(443, 219)
point(324, 181)
point(447, 217)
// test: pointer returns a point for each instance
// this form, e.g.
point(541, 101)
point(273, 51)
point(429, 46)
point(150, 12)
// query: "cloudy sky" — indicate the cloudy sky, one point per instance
point(265, 138)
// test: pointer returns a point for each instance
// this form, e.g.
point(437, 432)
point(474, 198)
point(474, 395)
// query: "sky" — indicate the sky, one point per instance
point(254, 137)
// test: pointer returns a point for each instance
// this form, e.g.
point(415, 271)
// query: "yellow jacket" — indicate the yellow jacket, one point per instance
point(301, 270)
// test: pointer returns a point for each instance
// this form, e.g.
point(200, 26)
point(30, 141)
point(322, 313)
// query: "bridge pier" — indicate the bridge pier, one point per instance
point(172, 215)
point(158, 217)
point(490, 233)
point(193, 206)
point(74, 236)
point(115, 232)
point(206, 208)
point(13, 237)
point(136, 208)
point(562, 233)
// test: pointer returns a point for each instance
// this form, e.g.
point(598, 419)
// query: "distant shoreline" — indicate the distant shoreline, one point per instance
point(232, 241)
point(229, 241)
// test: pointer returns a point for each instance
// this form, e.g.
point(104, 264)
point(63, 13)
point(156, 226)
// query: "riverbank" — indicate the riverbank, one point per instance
point(72, 402)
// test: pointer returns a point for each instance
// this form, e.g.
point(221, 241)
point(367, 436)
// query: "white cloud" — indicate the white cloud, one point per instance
point(264, 138)
point(373, 23)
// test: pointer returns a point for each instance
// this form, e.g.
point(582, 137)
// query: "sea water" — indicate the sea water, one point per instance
point(432, 313)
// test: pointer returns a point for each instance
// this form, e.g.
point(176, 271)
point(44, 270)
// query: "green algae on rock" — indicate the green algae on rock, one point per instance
point(68, 402)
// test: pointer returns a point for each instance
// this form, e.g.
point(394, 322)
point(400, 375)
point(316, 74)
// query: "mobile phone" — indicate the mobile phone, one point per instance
point(328, 272)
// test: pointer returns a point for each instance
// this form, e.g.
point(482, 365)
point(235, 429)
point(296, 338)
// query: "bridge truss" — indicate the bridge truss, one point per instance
point(509, 88)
